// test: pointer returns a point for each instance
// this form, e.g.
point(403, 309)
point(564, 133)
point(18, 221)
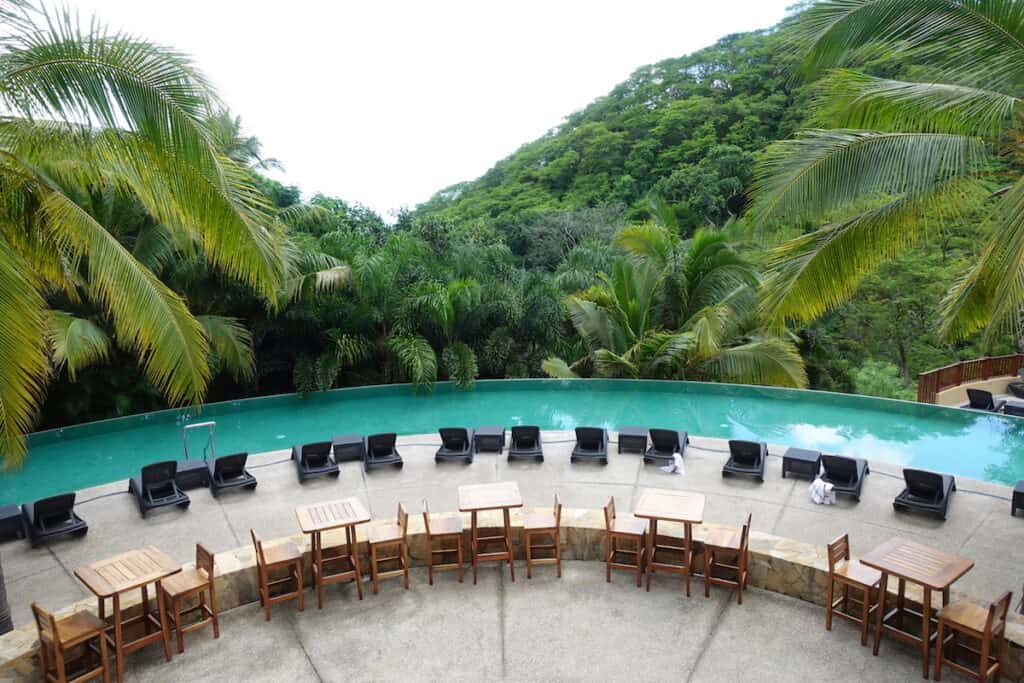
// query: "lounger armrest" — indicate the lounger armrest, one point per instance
point(998, 406)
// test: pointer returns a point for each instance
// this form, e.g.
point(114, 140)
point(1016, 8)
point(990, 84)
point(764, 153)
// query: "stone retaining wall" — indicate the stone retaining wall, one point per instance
point(782, 565)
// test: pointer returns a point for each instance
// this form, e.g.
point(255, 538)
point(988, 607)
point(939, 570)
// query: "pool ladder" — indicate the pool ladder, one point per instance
point(208, 451)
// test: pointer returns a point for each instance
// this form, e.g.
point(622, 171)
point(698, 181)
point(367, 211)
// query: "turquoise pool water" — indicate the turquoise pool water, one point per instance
point(950, 440)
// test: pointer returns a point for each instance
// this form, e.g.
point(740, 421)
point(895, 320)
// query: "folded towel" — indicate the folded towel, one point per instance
point(676, 467)
point(822, 493)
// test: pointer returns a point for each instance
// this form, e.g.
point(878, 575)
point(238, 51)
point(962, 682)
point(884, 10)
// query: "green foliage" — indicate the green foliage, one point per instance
point(880, 378)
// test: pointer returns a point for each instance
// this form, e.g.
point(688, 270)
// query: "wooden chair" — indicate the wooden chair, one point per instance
point(285, 556)
point(850, 574)
point(985, 626)
point(543, 524)
point(390, 535)
point(442, 529)
point(618, 529)
point(59, 637)
point(188, 583)
point(725, 550)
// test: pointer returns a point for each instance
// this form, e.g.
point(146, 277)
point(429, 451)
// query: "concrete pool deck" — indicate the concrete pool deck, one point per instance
point(979, 524)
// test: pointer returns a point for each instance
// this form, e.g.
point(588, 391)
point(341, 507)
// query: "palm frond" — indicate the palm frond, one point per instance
point(849, 99)
point(352, 349)
point(826, 170)
point(76, 342)
point(647, 241)
point(460, 364)
point(230, 344)
point(663, 353)
point(611, 364)
point(24, 363)
point(417, 360)
point(770, 361)
point(558, 368)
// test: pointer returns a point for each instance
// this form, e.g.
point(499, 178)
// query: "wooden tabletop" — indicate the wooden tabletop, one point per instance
point(126, 571)
point(921, 564)
point(672, 506)
point(499, 495)
point(331, 514)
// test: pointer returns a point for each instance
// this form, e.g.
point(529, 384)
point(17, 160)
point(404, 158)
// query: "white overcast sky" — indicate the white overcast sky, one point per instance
point(385, 102)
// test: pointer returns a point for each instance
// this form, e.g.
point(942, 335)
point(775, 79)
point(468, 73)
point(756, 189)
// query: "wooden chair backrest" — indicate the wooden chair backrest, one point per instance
point(609, 514)
point(403, 520)
point(558, 512)
point(838, 550)
point(204, 560)
point(260, 560)
point(995, 624)
point(45, 623)
point(745, 542)
point(426, 517)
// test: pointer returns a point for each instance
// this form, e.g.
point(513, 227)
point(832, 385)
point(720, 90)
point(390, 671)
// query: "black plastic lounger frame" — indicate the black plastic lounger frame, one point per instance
point(456, 444)
point(746, 458)
point(845, 474)
point(526, 444)
point(926, 492)
point(982, 400)
point(52, 517)
point(664, 444)
point(314, 460)
point(380, 450)
point(591, 444)
point(228, 472)
point(157, 488)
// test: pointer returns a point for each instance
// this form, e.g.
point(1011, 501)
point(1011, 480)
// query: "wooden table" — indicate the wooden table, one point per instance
point(333, 514)
point(670, 506)
point(474, 498)
point(116, 575)
point(931, 569)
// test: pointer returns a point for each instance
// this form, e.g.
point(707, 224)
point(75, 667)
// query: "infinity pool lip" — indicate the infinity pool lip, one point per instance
point(962, 442)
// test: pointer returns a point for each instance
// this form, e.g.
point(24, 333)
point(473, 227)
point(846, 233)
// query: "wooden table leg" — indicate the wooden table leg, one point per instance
point(318, 568)
point(118, 639)
point(353, 549)
point(688, 554)
point(652, 533)
point(926, 624)
point(880, 619)
point(164, 627)
point(508, 543)
point(472, 539)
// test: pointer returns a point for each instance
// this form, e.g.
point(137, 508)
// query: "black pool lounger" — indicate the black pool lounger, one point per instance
point(157, 488)
point(314, 460)
point(52, 517)
point(926, 492)
point(380, 450)
point(228, 472)
point(456, 444)
point(664, 444)
point(591, 444)
point(746, 458)
point(845, 474)
point(983, 400)
point(526, 444)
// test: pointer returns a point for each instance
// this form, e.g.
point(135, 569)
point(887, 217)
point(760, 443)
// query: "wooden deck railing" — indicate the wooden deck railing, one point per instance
point(932, 382)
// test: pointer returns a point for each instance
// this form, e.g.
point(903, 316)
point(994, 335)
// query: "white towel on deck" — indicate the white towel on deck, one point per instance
point(822, 493)
point(676, 466)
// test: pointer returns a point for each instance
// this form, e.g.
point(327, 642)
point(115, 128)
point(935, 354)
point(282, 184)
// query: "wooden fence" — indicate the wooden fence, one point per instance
point(932, 382)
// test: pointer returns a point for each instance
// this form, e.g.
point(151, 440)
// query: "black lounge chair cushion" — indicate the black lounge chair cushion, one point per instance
point(982, 400)
point(51, 517)
point(1016, 388)
point(228, 472)
point(156, 487)
point(926, 492)
point(591, 444)
point(456, 444)
point(665, 443)
point(380, 450)
point(746, 458)
point(314, 460)
point(845, 474)
point(526, 443)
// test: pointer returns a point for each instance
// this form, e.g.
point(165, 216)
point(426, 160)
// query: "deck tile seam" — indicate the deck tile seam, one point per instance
point(709, 637)
point(302, 646)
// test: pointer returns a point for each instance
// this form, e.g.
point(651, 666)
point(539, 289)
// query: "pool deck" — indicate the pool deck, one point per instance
point(979, 524)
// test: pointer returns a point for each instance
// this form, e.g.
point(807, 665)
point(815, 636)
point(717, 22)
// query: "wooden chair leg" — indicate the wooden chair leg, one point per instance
point(529, 564)
point(373, 567)
point(265, 597)
point(176, 609)
point(58, 660)
point(609, 550)
point(104, 660)
point(430, 563)
point(558, 554)
point(939, 650)
point(828, 604)
point(459, 555)
point(298, 585)
point(213, 612)
point(708, 561)
point(405, 563)
point(865, 611)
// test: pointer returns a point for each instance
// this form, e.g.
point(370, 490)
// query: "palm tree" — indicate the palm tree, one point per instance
point(91, 112)
point(900, 153)
point(677, 310)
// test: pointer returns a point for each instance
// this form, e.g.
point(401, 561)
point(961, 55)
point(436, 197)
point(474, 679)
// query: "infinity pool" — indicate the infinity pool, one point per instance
point(946, 439)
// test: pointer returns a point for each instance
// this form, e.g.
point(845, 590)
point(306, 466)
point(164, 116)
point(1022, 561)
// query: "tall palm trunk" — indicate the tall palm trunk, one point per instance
point(5, 609)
